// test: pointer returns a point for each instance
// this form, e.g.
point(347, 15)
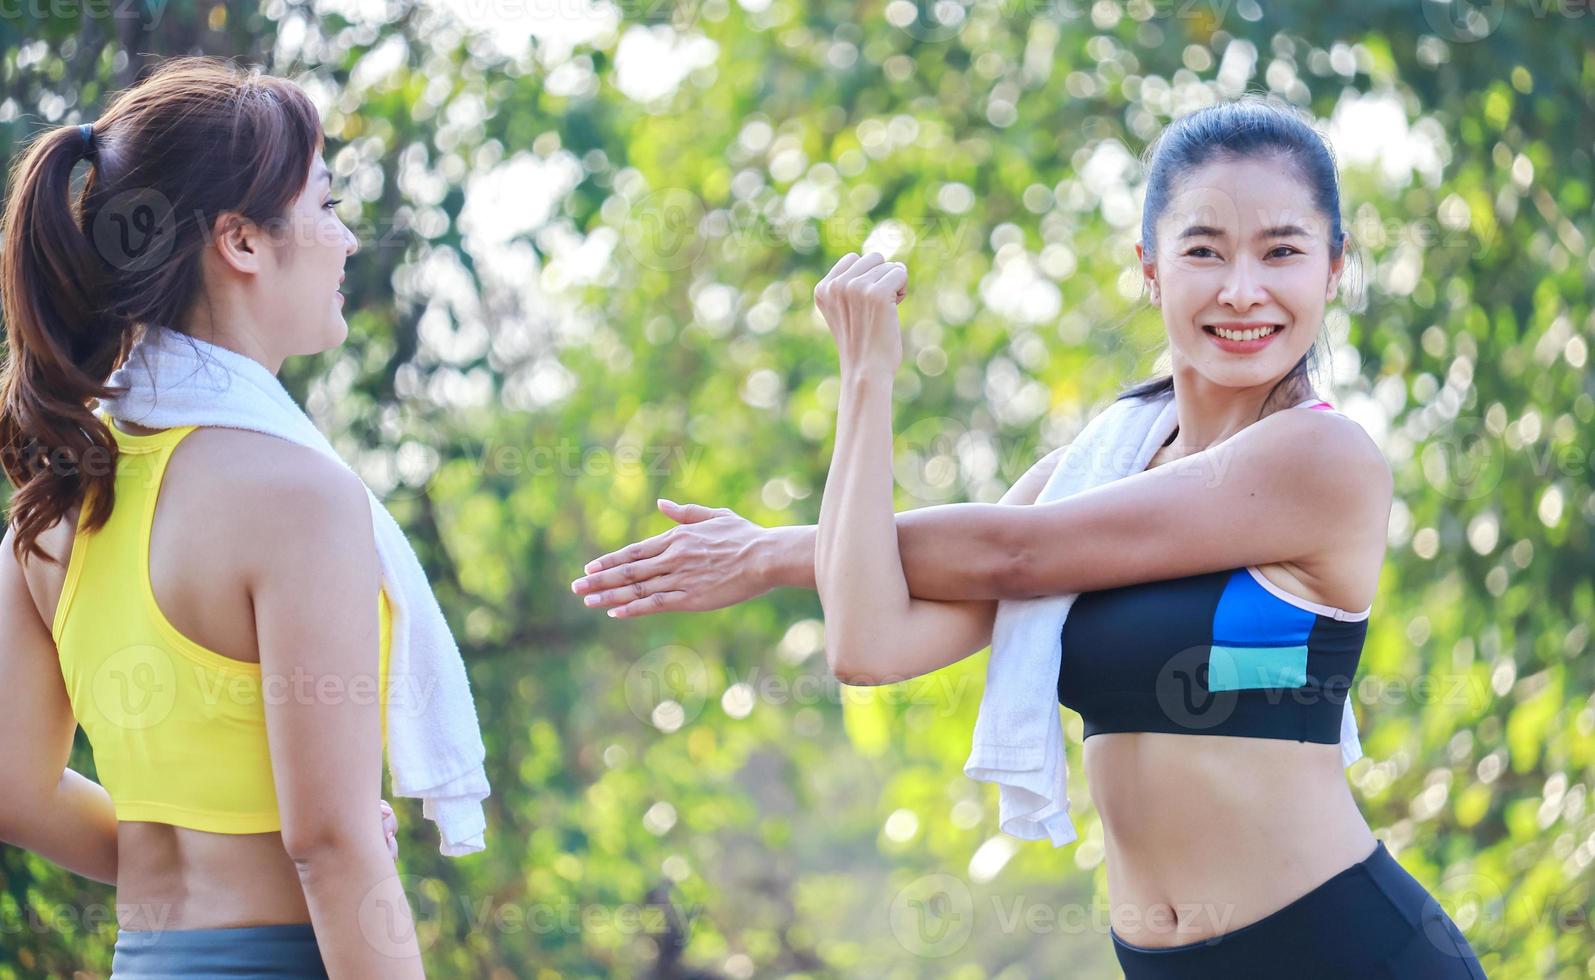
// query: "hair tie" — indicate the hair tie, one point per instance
point(86, 131)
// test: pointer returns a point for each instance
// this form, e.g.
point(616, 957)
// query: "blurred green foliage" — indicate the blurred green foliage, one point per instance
point(589, 238)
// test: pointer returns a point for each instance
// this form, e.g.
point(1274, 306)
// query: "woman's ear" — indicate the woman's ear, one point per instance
point(1148, 275)
point(236, 240)
point(1337, 265)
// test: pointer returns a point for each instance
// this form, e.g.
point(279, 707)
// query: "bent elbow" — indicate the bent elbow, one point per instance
point(315, 846)
point(838, 658)
point(1013, 574)
point(842, 659)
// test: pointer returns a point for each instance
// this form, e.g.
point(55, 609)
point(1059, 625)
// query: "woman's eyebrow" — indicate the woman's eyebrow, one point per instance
point(1208, 231)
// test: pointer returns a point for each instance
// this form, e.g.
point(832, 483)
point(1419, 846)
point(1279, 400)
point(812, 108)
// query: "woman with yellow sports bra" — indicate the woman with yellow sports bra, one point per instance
point(187, 593)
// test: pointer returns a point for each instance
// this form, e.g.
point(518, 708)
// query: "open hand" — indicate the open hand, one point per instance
point(858, 299)
point(704, 562)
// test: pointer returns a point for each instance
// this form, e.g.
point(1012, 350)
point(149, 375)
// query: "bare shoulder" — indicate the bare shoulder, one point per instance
point(1328, 451)
point(1327, 466)
point(271, 491)
point(38, 579)
point(1331, 463)
point(16, 598)
point(262, 466)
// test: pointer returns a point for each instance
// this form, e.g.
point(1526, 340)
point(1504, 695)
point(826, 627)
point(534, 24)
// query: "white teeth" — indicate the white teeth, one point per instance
point(1253, 334)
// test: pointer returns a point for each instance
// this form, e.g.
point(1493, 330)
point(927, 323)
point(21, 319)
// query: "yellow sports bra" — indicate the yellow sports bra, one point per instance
point(178, 730)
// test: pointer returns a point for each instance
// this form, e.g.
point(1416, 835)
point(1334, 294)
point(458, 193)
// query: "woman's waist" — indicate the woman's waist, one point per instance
point(1211, 827)
point(1156, 789)
point(172, 877)
point(1159, 897)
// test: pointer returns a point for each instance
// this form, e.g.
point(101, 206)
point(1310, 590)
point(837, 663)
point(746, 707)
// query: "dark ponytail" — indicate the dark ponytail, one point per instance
point(61, 344)
point(1246, 128)
point(79, 278)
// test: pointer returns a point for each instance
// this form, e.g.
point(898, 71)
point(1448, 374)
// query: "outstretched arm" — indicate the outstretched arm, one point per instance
point(1287, 488)
point(715, 558)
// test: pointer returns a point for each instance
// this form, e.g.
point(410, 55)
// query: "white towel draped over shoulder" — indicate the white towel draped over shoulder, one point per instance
point(435, 750)
point(1018, 741)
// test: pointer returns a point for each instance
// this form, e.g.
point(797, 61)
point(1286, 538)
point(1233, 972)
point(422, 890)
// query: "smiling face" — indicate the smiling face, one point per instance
point(310, 248)
point(1242, 271)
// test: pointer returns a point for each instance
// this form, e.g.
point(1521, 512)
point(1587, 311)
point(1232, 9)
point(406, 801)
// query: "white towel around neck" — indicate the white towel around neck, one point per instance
point(1018, 740)
point(435, 750)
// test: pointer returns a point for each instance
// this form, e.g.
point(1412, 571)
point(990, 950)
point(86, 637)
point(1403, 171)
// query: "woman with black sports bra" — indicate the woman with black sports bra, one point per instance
point(1219, 621)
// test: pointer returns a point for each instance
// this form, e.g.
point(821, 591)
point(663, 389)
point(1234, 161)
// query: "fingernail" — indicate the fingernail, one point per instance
point(613, 613)
point(591, 600)
point(590, 567)
point(576, 586)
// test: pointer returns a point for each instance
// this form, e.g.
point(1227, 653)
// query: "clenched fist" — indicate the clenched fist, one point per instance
point(858, 299)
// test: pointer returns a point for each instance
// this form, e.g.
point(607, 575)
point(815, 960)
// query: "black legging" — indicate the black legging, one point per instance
point(1372, 921)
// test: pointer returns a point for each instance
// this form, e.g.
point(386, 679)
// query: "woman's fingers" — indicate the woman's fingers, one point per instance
point(625, 581)
point(841, 266)
point(689, 513)
point(883, 273)
point(632, 591)
point(636, 551)
point(656, 603)
point(861, 267)
point(633, 563)
point(895, 280)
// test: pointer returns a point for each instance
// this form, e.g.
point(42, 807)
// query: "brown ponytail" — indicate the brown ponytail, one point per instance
point(197, 138)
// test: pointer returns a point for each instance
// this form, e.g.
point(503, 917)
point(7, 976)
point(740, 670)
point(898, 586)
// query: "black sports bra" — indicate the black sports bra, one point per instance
point(1221, 653)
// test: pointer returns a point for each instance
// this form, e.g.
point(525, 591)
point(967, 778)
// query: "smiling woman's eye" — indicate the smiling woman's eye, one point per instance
point(333, 203)
point(1291, 249)
point(1200, 248)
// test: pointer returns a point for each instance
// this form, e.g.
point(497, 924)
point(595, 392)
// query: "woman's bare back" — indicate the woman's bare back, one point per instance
point(175, 877)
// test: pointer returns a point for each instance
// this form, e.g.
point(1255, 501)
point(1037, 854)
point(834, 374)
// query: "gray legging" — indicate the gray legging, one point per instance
point(215, 954)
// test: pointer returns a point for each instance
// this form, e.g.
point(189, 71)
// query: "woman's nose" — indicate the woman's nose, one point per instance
point(1243, 288)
